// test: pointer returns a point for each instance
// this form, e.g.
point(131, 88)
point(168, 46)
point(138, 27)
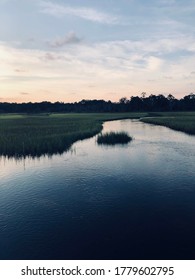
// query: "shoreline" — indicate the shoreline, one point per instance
point(23, 136)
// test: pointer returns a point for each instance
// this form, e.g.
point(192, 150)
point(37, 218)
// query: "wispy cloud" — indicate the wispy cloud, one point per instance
point(70, 38)
point(24, 93)
point(20, 70)
point(86, 13)
point(49, 57)
point(113, 66)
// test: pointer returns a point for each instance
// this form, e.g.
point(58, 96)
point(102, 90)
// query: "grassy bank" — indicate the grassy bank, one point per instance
point(36, 135)
point(181, 121)
point(113, 138)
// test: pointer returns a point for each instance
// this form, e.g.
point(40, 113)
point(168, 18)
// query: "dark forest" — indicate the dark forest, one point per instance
point(152, 103)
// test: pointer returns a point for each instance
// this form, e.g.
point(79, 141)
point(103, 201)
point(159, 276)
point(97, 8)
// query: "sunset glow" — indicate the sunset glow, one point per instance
point(72, 50)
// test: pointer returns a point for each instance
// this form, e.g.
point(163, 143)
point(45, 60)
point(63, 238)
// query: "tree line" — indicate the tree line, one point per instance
point(152, 103)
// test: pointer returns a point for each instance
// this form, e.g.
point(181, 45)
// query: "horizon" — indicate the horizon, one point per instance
point(109, 100)
point(69, 51)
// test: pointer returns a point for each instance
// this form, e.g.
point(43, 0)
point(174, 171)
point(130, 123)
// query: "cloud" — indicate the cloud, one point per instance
point(154, 63)
point(69, 39)
point(31, 39)
point(86, 13)
point(24, 93)
point(168, 77)
point(54, 57)
point(19, 71)
point(98, 68)
point(49, 56)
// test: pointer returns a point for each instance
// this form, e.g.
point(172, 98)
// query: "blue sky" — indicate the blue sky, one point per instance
point(83, 49)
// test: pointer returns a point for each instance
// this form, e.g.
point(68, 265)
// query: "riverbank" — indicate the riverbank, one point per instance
point(181, 121)
point(41, 134)
point(46, 134)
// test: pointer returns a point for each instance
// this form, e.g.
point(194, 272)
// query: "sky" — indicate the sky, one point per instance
point(69, 50)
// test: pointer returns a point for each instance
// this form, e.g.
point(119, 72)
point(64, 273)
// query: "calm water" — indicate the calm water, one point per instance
point(96, 202)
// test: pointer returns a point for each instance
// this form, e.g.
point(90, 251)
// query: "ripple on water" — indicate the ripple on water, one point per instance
point(92, 195)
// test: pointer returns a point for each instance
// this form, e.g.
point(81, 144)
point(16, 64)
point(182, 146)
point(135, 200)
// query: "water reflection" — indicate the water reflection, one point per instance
point(97, 202)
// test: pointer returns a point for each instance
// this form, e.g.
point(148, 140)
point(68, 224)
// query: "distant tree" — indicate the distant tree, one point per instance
point(123, 100)
point(143, 95)
point(172, 102)
point(188, 102)
point(170, 97)
point(136, 103)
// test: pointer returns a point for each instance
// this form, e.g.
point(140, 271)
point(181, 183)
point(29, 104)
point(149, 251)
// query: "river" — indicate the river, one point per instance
point(134, 201)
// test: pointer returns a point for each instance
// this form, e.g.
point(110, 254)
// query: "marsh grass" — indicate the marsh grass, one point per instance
point(180, 121)
point(113, 138)
point(42, 134)
point(27, 135)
